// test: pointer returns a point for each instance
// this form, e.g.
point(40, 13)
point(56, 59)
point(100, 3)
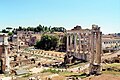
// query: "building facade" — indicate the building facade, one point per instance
point(110, 44)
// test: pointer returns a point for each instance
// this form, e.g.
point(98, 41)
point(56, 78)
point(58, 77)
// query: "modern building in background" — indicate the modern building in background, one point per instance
point(110, 42)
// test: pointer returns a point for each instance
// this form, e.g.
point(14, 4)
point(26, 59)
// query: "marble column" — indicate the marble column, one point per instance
point(89, 46)
point(71, 37)
point(75, 45)
point(79, 36)
point(98, 47)
point(92, 48)
point(67, 43)
point(84, 43)
point(91, 52)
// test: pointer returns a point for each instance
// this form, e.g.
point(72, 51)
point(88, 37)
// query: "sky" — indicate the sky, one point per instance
point(61, 13)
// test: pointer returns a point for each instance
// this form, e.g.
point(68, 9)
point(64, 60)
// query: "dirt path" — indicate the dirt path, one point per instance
point(103, 77)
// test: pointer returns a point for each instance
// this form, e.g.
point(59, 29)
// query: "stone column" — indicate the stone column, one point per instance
point(89, 46)
point(79, 36)
point(92, 48)
point(91, 52)
point(67, 46)
point(71, 36)
point(98, 50)
point(98, 47)
point(84, 43)
point(75, 37)
point(7, 61)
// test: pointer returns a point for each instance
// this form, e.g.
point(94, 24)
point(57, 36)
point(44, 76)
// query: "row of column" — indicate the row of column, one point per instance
point(95, 47)
point(69, 42)
point(80, 37)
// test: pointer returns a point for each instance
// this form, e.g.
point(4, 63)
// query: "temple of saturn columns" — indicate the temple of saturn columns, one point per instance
point(85, 44)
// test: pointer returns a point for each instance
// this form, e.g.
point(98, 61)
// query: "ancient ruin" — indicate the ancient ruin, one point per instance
point(4, 58)
point(85, 45)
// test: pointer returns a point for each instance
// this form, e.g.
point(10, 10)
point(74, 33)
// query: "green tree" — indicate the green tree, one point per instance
point(54, 42)
point(49, 28)
point(63, 41)
point(8, 28)
point(39, 28)
point(20, 28)
point(24, 29)
point(31, 29)
point(4, 31)
point(46, 28)
point(10, 33)
point(58, 29)
point(36, 30)
point(47, 42)
point(28, 28)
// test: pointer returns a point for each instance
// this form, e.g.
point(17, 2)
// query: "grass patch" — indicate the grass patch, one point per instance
point(111, 72)
point(50, 70)
point(27, 75)
point(76, 64)
point(66, 73)
point(71, 74)
point(112, 65)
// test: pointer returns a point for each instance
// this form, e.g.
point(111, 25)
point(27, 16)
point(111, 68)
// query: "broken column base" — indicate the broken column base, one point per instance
point(95, 69)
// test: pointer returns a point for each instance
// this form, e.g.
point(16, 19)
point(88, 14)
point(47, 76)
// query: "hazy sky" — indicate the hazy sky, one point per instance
point(66, 13)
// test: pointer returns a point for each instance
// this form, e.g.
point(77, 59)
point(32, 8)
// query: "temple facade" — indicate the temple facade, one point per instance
point(85, 44)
